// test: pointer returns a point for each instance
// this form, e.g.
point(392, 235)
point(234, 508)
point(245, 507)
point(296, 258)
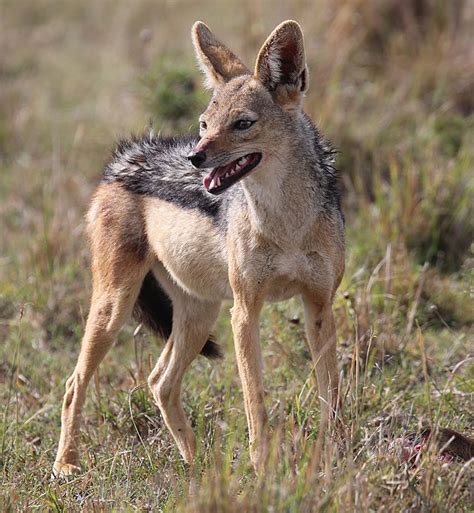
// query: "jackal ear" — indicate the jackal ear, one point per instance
point(218, 63)
point(281, 64)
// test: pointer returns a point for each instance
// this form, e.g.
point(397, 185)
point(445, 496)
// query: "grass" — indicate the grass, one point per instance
point(391, 86)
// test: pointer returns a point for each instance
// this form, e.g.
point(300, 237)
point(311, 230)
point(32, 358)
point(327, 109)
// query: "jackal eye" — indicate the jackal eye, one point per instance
point(202, 125)
point(243, 124)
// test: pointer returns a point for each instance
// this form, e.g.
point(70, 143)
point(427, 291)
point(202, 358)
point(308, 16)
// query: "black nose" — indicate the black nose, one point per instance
point(197, 158)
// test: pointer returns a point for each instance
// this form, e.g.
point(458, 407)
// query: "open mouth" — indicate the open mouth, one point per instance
point(220, 178)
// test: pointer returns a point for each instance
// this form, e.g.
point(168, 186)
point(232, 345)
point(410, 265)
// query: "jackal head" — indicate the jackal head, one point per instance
point(250, 115)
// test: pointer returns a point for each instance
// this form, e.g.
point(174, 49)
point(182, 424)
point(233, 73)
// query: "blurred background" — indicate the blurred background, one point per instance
point(391, 85)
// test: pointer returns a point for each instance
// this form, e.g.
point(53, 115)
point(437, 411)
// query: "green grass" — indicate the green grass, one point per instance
point(391, 86)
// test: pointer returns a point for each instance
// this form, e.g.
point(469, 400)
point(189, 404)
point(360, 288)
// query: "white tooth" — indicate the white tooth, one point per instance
point(213, 183)
point(218, 182)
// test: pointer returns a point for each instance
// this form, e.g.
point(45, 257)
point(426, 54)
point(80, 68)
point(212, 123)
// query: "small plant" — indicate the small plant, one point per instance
point(173, 96)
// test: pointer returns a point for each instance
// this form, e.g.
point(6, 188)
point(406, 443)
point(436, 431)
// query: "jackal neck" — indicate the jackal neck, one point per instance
point(285, 197)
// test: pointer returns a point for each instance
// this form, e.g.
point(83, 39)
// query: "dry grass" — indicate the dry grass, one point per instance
point(391, 85)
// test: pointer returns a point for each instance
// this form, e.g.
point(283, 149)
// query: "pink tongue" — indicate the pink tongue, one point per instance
point(206, 181)
point(218, 171)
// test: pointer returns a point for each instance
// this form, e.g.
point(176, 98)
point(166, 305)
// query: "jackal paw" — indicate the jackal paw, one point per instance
point(64, 469)
point(259, 456)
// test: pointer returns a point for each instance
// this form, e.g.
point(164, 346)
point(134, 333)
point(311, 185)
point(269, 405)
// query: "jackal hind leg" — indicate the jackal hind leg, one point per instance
point(192, 323)
point(118, 271)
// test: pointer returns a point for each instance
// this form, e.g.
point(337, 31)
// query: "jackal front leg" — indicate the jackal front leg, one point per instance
point(321, 336)
point(245, 326)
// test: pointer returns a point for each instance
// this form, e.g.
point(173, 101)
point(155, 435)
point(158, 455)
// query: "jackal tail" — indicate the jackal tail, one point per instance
point(154, 310)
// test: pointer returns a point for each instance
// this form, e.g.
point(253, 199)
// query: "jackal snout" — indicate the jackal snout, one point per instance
point(208, 150)
point(197, 158)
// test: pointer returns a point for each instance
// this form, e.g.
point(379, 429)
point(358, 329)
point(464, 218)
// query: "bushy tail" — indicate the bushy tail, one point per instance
point(155, 310)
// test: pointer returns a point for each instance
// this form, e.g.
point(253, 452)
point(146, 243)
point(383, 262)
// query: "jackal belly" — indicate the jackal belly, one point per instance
point(190, 248)
point(297, 273)
point(282, 289)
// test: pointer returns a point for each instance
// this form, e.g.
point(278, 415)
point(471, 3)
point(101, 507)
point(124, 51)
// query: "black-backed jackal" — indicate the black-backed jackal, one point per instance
point(249, 210)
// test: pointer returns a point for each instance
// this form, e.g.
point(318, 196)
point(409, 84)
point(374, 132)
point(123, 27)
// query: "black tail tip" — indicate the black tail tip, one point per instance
point(211, 350)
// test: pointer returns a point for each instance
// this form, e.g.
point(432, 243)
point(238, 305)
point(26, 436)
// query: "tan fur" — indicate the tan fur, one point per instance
point(188, 263)
point(288, 38)
point(273, 249)
point(193, 321)
point(119, 264)
point(218, 62)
